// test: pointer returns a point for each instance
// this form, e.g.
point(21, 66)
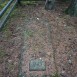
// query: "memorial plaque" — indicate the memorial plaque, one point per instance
point(37, 65)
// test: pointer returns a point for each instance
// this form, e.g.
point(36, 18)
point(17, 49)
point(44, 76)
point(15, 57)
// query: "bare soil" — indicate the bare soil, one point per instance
point(33, 32)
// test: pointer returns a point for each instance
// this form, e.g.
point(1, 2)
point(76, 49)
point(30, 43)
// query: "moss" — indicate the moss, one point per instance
point(2, 53)
point(10, 66)
point(56, 75)
point(28, 33)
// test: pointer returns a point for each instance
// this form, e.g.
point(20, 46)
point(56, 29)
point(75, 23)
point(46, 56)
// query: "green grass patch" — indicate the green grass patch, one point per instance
point(28, 2)
point(6, 31)
point(3, 4)
point(28, 33)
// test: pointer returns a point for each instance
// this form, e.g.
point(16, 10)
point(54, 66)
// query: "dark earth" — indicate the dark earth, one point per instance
point(46, 38)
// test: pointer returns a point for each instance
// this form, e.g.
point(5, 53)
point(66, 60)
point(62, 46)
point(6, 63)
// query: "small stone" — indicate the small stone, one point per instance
point(48, 53)
point(59, 14)
point(69, 61)
point(15, 63)
point(65, 25)
point(70, 55)
point(40, 58)
point(57, 18)
point(63, 72)
point(37, 18)
point(9, 61)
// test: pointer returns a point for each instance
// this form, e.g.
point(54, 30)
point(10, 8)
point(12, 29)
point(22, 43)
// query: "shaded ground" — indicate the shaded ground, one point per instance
point(36, 33)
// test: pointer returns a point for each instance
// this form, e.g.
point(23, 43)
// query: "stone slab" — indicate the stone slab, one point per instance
point(37, 65)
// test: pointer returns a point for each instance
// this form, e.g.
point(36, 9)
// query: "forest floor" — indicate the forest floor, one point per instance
point(34, 33)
